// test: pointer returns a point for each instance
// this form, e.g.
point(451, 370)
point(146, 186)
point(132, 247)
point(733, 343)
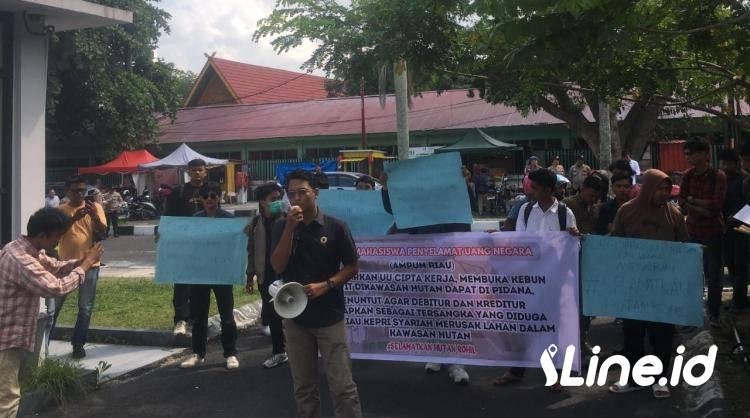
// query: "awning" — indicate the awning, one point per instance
point(477, 141)
point(126, 162)
point(181, 157)
point(351, 160)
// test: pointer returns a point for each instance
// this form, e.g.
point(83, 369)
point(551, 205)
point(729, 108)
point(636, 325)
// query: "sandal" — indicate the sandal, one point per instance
point(660, 392)
point(506, 379)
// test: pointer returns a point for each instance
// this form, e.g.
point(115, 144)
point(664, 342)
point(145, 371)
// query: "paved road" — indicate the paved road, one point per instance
point(129, 256)
point(387, 389)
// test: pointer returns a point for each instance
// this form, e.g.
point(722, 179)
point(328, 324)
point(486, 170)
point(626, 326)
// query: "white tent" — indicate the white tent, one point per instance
point(180, 158)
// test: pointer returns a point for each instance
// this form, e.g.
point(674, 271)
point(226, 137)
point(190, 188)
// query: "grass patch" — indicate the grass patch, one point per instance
point(60, 380)
point(136, 303)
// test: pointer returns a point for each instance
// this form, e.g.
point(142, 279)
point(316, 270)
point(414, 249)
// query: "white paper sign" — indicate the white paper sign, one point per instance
point(743, 215)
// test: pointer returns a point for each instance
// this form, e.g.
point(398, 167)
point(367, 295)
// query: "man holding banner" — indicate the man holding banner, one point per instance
point(200, 297)
point(649, 216)
point(310, 248)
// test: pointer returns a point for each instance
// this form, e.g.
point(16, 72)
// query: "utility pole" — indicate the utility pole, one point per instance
point(362, 97)
point(402, 108)
point(605, 136)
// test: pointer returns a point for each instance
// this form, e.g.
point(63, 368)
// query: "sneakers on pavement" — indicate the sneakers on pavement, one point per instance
point(275, 360)
point(180, 328)
point(432, 367)
point(457, 373)
point(232, 362)
point(193, 361)
point(78, 352)
point(266, 331)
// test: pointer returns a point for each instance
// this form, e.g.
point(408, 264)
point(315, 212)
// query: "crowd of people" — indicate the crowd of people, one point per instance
point(291, 238)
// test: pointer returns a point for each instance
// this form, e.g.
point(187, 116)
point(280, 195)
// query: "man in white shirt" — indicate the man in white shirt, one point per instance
point(635, 166)
point(546, 214)
point(51, 200)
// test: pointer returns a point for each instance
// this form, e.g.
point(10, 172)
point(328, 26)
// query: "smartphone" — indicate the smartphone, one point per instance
point(89, 198)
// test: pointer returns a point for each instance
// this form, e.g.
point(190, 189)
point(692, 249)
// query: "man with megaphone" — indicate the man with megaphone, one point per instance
point(318, 252)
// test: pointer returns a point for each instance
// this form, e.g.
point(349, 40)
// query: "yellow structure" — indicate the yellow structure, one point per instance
point(355, 160)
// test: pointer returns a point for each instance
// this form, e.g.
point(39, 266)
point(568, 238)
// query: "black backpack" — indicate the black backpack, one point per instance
point(562, 214)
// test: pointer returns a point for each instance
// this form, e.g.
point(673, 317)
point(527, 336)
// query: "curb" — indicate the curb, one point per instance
point(706, 400)
point(245, 316)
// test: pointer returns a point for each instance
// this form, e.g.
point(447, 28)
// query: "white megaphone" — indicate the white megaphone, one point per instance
point(289, 299)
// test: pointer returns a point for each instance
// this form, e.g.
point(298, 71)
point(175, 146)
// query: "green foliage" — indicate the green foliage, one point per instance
point(358, 40)
point(59, 379)
point(104, 84)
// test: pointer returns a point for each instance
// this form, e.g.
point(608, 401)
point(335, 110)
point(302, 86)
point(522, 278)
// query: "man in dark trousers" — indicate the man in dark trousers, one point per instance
point(702, 197)
point(200, 297)
point(317, 251)
point(259, 265)
point(186, 201)
point(735, 243)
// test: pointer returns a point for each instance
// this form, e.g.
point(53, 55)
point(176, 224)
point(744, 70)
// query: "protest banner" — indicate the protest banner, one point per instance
point(428, 191)
point(743, 215)
point(362, 210)
point(650, 280)
point(201, 250)
point(468, 298)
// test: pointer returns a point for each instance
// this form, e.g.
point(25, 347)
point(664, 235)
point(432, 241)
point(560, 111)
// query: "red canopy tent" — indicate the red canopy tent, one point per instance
point(126, 162)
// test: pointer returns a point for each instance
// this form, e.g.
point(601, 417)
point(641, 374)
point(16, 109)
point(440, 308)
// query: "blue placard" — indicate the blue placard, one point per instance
point(428, 191)
point(657, 281)
point(362, 210)
point(201, 250)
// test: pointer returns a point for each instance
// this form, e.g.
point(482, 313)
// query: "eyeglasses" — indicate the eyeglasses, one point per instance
point(211, 195)
point(298, 192)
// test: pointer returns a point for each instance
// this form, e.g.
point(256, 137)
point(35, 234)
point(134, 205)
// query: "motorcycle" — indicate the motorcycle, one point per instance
point(140, 208)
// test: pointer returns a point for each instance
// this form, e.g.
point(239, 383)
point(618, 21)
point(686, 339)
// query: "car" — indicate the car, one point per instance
point(346, 180)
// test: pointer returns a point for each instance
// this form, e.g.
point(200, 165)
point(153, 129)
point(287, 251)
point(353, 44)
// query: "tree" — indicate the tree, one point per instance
point(643, 57)
point(361, 39)
point(104, 85)
point(564, 56)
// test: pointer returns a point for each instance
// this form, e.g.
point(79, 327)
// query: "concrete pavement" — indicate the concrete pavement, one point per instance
point(387, 389)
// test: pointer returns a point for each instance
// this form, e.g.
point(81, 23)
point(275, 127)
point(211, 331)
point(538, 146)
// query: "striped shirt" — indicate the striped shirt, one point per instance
point(26, 274)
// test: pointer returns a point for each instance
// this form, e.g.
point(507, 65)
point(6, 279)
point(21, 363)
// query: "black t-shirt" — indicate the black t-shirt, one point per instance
point(184, 201)
point(318, 252)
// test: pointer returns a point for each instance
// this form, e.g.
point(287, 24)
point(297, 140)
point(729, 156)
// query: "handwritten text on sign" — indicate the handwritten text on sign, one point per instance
point(470, 298)
point(642, 279)
point(201, 250)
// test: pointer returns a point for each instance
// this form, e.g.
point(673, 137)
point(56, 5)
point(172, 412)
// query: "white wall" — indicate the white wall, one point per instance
point(29, 96)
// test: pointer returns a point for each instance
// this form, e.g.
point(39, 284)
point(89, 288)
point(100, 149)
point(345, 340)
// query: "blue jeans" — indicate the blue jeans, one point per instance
point(86, 296)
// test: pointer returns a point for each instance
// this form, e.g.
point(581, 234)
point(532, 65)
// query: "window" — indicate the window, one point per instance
point(346, 181)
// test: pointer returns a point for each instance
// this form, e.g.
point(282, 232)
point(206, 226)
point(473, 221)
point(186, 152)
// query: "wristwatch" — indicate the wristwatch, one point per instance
point(331, 284)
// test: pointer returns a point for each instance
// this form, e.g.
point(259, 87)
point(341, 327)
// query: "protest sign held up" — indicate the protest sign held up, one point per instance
point(201, 251)
point(470, 298)
point(648, 280)
point(362, 210)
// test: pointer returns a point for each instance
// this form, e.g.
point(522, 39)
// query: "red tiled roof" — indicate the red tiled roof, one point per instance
point(341, 116)
point(253, 84)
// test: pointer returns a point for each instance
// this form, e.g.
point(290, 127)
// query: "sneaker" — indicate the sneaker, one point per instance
point(78, 352)
point(266, 331)
point(180, 328)
point(193, 361)
point(232, 362)
point(457, 373)
point(432, 367)
point(275, 360)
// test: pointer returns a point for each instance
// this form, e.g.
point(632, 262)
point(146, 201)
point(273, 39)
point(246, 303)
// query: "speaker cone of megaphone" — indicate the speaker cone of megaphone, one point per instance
point(289, 299)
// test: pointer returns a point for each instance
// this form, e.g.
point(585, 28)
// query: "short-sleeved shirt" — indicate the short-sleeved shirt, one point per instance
point(540, 221)
point(318, 252)
point(80, 236)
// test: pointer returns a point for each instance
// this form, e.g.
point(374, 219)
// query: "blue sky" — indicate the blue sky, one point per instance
point(223, 26)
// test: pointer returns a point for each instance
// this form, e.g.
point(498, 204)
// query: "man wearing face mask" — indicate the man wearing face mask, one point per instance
point(259, 265)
